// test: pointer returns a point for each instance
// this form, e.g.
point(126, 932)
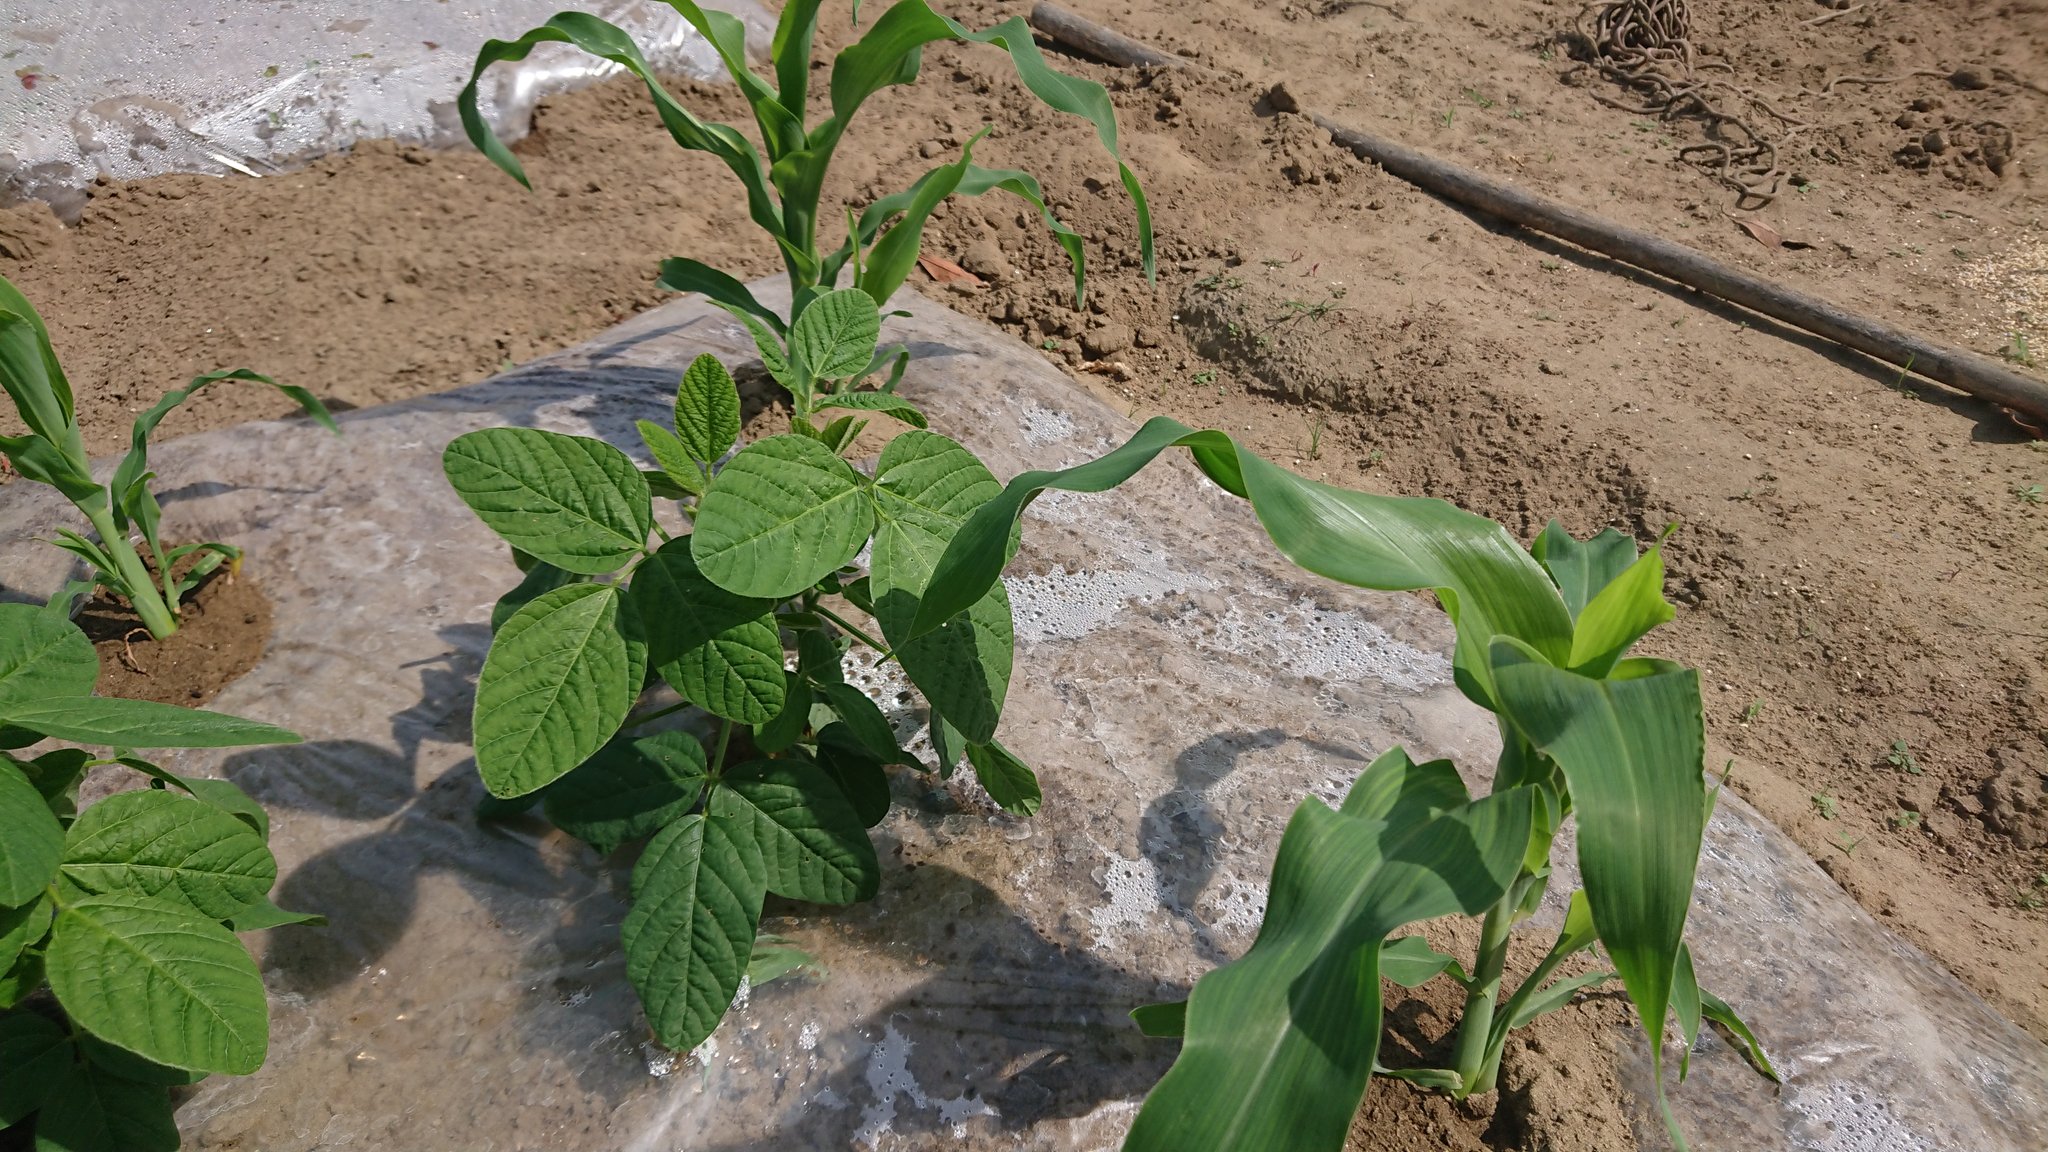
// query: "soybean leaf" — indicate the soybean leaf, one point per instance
point(159, 843)
point(948, 745)
point(91, 1110)
point(560, 677)
point(680, 474)
point(865, 720)
point(781, 514)
point(697, 895)
point(21, 927)
point(1739, 1035)
point(42, 655)
point(1631, 748)
point(707, 409)
point(37, 1056)
point(539, 580)
point(159, 979)
point(886, 402)
point(773, 959)
point(857, 771)
point(721, 651)
point(835, 337)
point(1410, 962)
point(224, 795)
point(629, 789)
point(264, 914)
point(1009, 781)
point(818, 657)
point(31, 840)
point(1620, 614)
point(1168, 1021)
point(26, 977)
point(128, 1066)
point(577, 503)
point(1581, 570)
point(926, 487)
point(1281, 1044)
point(606, 40)
point(813, 845)
point(122, 723)
point(787, 726)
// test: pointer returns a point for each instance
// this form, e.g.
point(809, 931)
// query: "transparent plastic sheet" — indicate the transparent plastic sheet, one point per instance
point(133, 88)
point(1178, 687)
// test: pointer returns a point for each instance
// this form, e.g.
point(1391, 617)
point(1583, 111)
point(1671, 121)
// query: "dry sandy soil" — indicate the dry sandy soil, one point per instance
point(1859, 556)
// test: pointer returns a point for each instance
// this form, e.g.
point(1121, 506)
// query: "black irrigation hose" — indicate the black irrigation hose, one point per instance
point(1977, 375)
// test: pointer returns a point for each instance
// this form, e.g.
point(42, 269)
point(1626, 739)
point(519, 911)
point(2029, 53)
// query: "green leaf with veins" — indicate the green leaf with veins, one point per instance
point(156, 842)
point(697, 895)
point(926, 486)
point(560, 677)
point(42, 655)
point(159, 979)
point(723, 652)
point(36, 1053)
point(577, 503)
point(813, 844)
point(707, 410)
point(780, 515)
point(92, 1110)
point(1009, 781)
point(31, 840)
point(630, 789)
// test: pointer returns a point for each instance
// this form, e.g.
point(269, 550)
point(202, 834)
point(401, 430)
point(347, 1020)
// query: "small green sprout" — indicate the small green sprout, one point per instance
point(1900, 757)
point(1755, 709)
point(2017, 350)
point(1846, 843)
point(1205, 377)
point(1825, 804)
point(2031, 493)
point(1476, 98)
point(1315, 438)
point(1905, 820)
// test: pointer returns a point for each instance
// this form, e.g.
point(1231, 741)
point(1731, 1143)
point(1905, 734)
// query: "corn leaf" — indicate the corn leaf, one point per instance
point(129, 485)
point(1631, 748)
point(1582, 569)
point(1280, 1044)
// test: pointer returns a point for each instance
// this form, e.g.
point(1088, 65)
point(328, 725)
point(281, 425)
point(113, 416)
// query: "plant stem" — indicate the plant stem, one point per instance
point(1475, 1024)
point(141, 590)
point(852, 630)
point(640, 718)
point(718, 757)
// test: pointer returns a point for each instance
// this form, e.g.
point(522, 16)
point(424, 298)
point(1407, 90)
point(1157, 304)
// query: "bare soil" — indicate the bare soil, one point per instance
point(223, 626)
point(1859, 555)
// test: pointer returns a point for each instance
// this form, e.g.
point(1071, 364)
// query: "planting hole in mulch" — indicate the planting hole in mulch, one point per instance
point(223, 626)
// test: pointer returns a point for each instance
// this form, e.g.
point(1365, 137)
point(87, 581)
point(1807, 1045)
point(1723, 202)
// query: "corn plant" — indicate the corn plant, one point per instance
point(120, 974)
point(1278, 1047)
point(52, 451)
point(745, 614)
point(784, 179)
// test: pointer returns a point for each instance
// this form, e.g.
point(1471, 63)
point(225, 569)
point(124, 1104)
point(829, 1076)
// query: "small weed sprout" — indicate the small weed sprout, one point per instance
point(1902, 758)
point(1315, 438)
point(1905, 820)
point(1754, 710)
point(1826, 805)
point(2031, 493)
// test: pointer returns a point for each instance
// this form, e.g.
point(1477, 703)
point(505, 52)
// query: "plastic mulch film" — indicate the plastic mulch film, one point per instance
point(1178, 687)
point(132, 88)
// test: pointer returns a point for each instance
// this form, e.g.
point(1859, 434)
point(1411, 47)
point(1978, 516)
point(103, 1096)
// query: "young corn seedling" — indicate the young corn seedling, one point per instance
point(746, 616)
point(784, 178)
point(120, 973)
point(52, 452)
point(1279, 1046)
